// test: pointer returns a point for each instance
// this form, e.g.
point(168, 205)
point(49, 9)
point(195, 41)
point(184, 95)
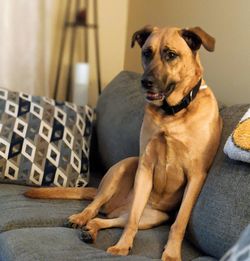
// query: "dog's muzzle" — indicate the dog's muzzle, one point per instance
point(147, 82)
point(155, 90)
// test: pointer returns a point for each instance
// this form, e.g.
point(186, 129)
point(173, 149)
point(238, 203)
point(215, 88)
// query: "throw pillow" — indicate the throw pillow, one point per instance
point(43, 142)
point(237, 146)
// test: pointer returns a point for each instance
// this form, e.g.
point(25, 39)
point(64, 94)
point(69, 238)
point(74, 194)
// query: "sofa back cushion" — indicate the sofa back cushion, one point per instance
point(119, 118)
point(223, 207)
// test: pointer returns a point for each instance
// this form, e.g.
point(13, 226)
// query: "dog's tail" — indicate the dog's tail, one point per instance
point(62, 193)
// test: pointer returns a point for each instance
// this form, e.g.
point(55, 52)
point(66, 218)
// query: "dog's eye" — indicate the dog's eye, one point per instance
point(147, 53)
point(170, 55)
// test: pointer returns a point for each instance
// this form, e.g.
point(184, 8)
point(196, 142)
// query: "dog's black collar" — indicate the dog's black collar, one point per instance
point(171, 110)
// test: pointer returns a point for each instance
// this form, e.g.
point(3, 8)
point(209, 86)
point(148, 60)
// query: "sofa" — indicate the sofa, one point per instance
point(34, 229)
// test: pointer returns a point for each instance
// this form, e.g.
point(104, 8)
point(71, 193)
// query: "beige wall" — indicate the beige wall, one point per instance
point(113, 15)
point(227, 70)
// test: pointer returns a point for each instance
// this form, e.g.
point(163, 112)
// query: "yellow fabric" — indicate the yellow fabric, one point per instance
point(241, 135)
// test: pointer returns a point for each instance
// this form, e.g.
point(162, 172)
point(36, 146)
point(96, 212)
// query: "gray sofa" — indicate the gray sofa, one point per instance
point(33, 229)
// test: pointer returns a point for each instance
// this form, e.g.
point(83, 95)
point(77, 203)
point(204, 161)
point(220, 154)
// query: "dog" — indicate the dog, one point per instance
point(179, 137)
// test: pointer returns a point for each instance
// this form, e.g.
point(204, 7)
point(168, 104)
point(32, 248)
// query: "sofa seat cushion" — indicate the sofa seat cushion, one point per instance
point(49, 244)
point(223, 207)
point(64, 244)
point(17, 211)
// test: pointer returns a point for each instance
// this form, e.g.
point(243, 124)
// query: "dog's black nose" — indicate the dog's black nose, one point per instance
point(147, 83)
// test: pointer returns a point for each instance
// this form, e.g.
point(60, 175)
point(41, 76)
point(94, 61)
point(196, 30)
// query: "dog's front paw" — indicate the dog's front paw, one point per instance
point(170, 256)
point(79, 220)
point(89, 232)
point(87, 237)
point(68, 224)
point(118, 250)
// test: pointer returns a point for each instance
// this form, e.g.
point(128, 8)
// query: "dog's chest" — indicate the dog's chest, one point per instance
point(148, 130)
point(168, 177)
point(152, 127)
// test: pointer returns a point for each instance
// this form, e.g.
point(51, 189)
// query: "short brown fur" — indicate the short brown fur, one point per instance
point(176, 151)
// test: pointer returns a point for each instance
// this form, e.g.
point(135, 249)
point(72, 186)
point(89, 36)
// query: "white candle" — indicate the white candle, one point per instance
point(80, 83)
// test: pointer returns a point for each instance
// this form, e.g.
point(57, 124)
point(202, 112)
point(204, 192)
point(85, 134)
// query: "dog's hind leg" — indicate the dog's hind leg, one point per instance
point(113, 189)
point(149, 219)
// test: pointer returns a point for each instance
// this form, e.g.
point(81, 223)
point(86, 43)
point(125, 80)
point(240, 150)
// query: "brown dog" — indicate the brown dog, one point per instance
point(180, 135)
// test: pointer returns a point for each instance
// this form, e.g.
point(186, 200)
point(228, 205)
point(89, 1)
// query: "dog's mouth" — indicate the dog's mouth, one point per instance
point(155, 96)
point(159, 95)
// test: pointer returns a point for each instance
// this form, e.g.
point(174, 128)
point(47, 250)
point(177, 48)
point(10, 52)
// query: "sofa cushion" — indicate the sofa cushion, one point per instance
point(50, 244)
point(119, 118)
point(17, 211)
point(42, 141)
point(64, 244)
point(223, 207)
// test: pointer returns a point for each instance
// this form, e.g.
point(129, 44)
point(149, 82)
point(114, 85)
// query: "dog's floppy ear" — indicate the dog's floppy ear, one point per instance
point(141, 36)
point(195, 37)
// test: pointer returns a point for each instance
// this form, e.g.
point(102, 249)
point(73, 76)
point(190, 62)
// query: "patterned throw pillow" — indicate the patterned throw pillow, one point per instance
point(237, 146)
point(43, 142)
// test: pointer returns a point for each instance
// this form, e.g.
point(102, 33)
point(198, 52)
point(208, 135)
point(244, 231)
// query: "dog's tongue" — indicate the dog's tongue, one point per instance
point(154, 96)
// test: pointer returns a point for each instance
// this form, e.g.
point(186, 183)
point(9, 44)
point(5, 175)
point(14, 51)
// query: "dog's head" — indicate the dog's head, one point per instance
point(170, 61)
